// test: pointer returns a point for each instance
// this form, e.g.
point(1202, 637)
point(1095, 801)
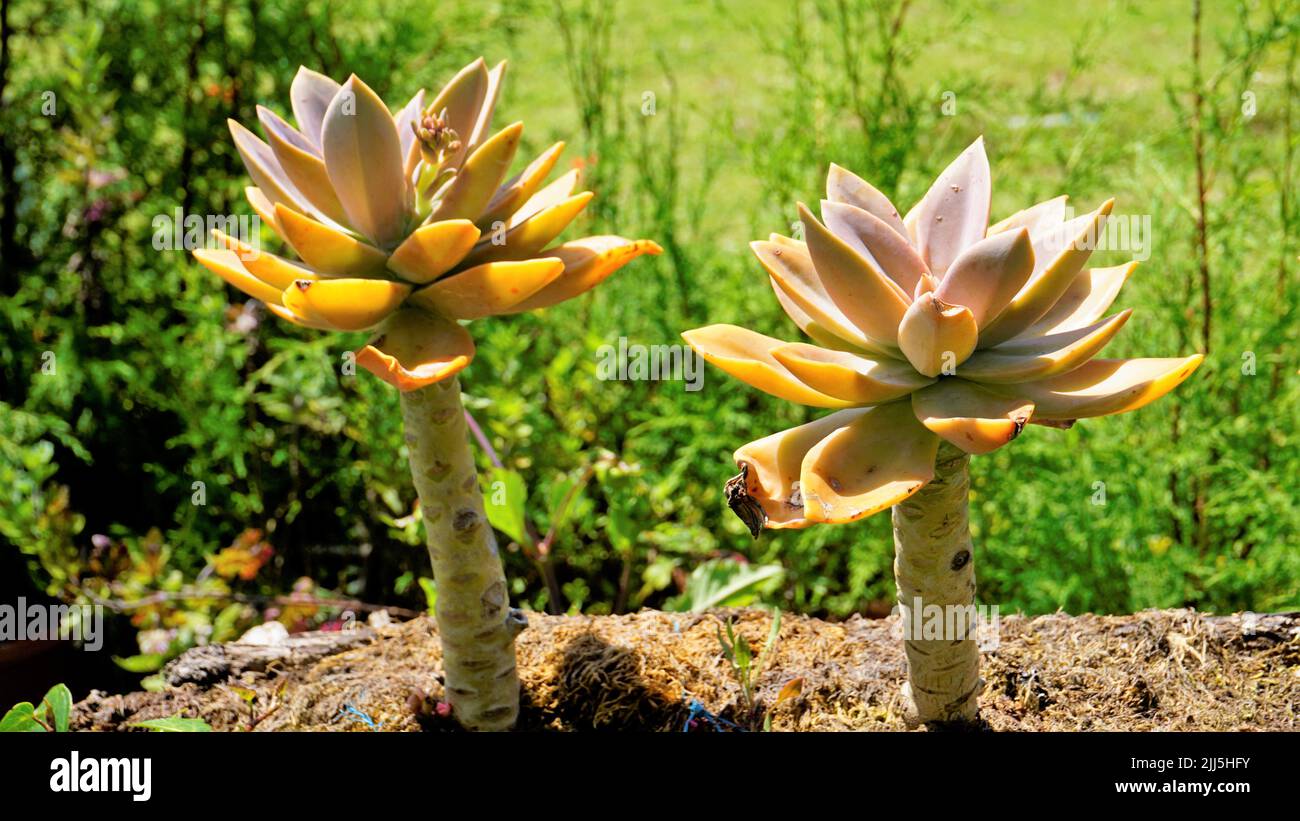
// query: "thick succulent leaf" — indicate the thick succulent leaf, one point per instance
point(788, 263)
point(1038, 218)
point(937, 337)
point(275, 126)
point(1103, 387)
point(414, 349)
point(587, 263)
point(480, 177)
point(263, 207)
point(796, 314)
point(815, 330)
point(364, 159)
point(310, 96)
point(969, 416)
point(433, 250)
point(786, 242)
point(532, 235)
point(847, 376)
point(869, 299)
point(1045, 288)
point(488, 289)
point(462, 98)
point(886, 249)
point(559, 190)
point(1087, 299)
point(846, 187)
point(1051, 239)
point(483, 124)
point(1024, 359)
point(328, 250)
point(773, 465)
point(954, 213)
point(747, 355)
point(274, 271)
point(988, 275)
point(303, 166)
point(265, 170)
point(346, 304)
point(873, 463)
point(519, 189)
point(302, 321)
point(228, 266)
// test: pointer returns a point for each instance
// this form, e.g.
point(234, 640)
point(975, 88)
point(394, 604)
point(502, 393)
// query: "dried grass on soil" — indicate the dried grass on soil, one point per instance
point(1167, 670)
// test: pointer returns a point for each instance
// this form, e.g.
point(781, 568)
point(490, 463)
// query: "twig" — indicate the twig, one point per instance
point(482, 440)
point(1202, 191)
point(1284, 202)
point(162, 597)
point(544, 546)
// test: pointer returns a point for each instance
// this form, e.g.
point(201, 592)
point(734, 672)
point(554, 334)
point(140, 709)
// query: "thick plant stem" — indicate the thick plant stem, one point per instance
point(934, 569)
point(475, 622)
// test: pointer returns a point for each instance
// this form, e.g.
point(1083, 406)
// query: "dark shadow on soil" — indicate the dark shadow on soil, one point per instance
point(599, 687)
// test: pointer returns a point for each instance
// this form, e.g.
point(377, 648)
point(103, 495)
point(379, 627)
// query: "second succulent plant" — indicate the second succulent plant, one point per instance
point(937, 336)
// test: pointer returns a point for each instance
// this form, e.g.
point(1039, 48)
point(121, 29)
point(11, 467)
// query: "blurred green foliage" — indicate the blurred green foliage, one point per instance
point(134, 384)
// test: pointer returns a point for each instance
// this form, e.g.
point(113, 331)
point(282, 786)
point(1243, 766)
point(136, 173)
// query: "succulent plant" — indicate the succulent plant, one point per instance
point(937, 336)
point(406, 223)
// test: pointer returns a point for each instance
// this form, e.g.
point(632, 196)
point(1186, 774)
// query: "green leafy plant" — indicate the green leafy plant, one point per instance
point(50, 716)
point(748, 668)
point(726, 583)
point(507, 510)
